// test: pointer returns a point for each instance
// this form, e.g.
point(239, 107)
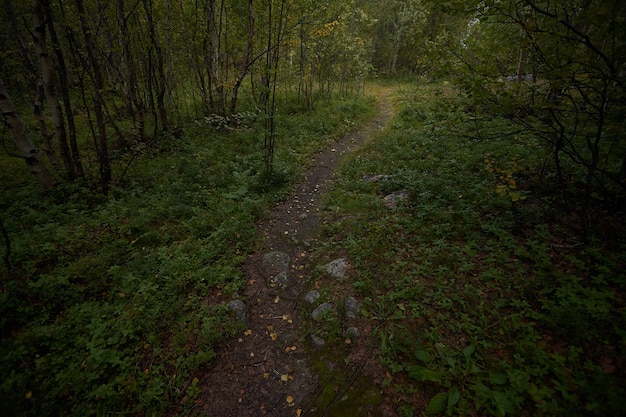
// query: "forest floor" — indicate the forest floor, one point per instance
point(269, 369)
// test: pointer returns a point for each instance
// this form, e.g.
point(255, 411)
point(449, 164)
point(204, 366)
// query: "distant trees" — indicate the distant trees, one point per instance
point(122, 71)
point(567, 64)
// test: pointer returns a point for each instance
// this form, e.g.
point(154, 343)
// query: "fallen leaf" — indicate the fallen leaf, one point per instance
point(29, 395)
point(298, 412)
point(348, 341)
point(284, 378)
point(274, 336)
point(290, 399)
point(248, 332)
point(266, 375)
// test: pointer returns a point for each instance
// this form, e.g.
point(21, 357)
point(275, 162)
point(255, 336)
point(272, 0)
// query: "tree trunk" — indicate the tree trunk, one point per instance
point(65, 91)
point(23, 141)
point(135, 104)
point(6, 257)
point(98, 82)
point(161, 83)
point(49, 88)
point(215, 82)
point(43, 127)
point(245, 64)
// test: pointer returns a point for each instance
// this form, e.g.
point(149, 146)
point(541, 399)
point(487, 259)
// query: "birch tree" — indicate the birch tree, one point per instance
point(22, 141)
point(49, 87)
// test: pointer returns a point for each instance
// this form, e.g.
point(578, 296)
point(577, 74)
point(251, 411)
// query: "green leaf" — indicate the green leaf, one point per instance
point(498, 379)
point(451, 361)
point(419, 373)
point(454, 395)
point(423, 356)
point(467, 352)
point(437, 404)
point(504, 406)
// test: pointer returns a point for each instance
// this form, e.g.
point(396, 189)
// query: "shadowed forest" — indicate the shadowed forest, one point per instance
point(143, 141)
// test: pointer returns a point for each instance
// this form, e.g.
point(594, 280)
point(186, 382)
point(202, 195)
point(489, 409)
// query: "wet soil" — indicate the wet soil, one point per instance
point(271, 368)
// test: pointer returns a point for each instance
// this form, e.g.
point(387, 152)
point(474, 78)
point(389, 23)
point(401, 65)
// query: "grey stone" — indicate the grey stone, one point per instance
point(274, 263)
point(320, 310)
point(352, 307)
point(281, 280)
point(394, 199)
point(240, 309)
point(336, 268)
point(377, 177)
point(318, 342)
point(352, 333)
point(312, 296)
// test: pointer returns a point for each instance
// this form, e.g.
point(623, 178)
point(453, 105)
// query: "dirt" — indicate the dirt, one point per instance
point(272, 368)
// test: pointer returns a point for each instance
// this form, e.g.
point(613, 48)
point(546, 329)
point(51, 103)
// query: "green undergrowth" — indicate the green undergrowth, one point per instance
point(484, 298)
point(116, 301)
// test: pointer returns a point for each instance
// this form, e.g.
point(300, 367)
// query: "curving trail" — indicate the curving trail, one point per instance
point(266, 370)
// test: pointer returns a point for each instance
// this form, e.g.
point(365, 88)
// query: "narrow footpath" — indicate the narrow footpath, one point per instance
point(266, 370)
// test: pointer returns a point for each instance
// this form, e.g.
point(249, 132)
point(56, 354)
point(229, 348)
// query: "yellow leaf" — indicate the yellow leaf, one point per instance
point(266, 375)
point(274, 336)
point(289, 399)
point(298, 412)
point(29, 395)
point(284, 378)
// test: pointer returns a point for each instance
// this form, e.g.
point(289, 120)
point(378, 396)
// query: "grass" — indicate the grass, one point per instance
point(484, 298)
point(116, 301)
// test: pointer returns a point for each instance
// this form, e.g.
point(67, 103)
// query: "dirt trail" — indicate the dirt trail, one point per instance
point(266, 370)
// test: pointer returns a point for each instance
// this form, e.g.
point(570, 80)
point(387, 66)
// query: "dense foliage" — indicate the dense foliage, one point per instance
point(113, 302)
point(483, 303)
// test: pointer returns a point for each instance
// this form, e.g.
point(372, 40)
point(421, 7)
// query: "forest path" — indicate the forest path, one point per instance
point(267, 369)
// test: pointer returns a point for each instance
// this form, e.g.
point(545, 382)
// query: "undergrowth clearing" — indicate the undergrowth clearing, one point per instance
point(115, 302)
point(484, 298)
